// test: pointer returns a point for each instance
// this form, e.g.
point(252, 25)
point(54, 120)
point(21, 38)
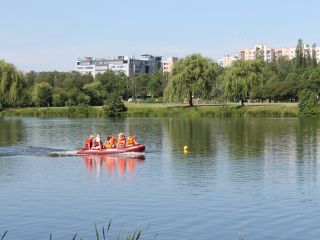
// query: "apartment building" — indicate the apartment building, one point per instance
point(289, 53)
point(227, 61)
point(167, 65)
point(259, 51)
point(146, 64)
point(270, 54)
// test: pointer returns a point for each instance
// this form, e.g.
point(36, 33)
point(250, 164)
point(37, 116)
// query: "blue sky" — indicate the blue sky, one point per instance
point(46, 35)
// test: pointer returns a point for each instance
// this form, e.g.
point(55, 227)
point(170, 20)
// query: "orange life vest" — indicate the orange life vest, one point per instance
point(122, 141)
point(88, 144)
point(132, 140)
point(111, 143)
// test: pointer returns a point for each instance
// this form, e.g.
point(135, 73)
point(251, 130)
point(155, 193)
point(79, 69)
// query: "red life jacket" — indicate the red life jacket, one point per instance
point(97, 144)
point(87, 144)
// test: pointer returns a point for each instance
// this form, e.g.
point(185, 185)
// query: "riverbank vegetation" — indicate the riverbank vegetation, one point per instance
point(194, 79)
point(162, 110)
point(103, 234)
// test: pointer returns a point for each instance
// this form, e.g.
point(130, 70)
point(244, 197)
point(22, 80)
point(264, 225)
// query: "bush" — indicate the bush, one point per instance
point(58, 100)
point(308, 102)
point(81, 111)
point(42, 94)
point(113, 106)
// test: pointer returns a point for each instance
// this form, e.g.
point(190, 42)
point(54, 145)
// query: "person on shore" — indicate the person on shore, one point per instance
point(132, 140)
point(121, 140)
point(110, 142)
point(88, 143)
point(97, 144)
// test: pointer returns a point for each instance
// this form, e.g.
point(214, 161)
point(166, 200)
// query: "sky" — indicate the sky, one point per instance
point(47, 35)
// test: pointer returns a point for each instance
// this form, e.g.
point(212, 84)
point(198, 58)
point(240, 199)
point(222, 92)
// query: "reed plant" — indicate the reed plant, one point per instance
point(104, 234)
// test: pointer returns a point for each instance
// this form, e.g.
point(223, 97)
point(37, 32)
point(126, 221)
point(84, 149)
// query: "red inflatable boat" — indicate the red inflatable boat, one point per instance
point(134, 148)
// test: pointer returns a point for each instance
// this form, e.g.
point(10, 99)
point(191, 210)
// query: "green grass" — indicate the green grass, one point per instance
point(273, 110)
point(230, 110)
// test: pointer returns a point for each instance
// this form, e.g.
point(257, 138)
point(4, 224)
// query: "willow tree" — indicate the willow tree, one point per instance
point(239, 79)
point(189, 75)
point(11, 85)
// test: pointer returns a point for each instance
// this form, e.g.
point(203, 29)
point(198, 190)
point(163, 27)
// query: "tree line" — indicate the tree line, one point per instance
point(193, 76)
point(280, 80)
point(46, 89)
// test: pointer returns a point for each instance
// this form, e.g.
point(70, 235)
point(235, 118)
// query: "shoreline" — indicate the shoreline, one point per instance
point(249, 110)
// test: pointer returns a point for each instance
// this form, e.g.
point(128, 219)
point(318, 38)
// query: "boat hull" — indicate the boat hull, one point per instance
point(135, 148)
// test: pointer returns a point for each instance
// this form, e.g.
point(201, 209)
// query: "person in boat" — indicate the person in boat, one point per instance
point(110, 142)
point(97, 143)
point(132, 140)
point(121, 140)
point(88, 143)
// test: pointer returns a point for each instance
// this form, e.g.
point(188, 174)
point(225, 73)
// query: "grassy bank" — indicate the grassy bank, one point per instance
point(232, 110)
point(276, 110)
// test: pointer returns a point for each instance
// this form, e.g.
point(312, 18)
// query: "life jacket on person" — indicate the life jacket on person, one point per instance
point(88, 143)
point(97, 144)
point(121, 140)
point(110, 142)
point(132, 140)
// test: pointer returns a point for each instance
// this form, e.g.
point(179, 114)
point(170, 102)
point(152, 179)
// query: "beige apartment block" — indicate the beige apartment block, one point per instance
point(227, 61)
point(167, 64)
point(289, 53)
point(270, 54)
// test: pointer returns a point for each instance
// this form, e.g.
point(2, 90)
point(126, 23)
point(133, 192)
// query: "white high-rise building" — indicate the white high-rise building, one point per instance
point(127, 65)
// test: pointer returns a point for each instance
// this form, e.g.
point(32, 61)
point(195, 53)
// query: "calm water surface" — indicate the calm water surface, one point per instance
point(251, 178)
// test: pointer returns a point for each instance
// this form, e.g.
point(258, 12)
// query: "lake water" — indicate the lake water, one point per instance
point(250, 178)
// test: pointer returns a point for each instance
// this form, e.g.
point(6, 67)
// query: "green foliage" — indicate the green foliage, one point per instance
point(110, 82)
point(308, 102)
point(93, 90)
point(140, 83)
point(11, 85)
point(42, 96)
point(240, 78)
point(81, 111)
point(192, 75)
point(155, 85)
point(58, 100)
point(114, 105)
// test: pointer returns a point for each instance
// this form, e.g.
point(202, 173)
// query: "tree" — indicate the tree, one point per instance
point(154, 86)
point(42, 96)
point(11, 85)
point(189, 75)
point(300, 58)
point(112, 82)
point(239, 79)
point(94, 91)
point(114, 105)
point(314, 56)
point(308, 102)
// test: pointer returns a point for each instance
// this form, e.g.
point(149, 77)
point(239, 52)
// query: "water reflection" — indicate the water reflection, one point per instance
point(112, 164)
point(11, 131)
point(195, 133)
